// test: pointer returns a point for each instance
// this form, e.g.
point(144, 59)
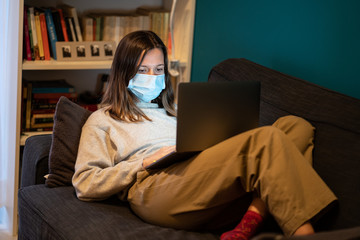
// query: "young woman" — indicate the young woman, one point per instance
point(261, 171)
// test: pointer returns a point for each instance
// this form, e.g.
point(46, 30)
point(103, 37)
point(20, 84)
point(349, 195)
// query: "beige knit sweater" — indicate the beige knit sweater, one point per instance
point(111, 151)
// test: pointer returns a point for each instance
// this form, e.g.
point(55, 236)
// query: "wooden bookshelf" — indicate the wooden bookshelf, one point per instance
point(65, 65)
point(71, 65)
point(73, 71)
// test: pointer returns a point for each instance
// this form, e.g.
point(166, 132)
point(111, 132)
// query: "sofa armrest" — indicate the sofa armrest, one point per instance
point(35, 160)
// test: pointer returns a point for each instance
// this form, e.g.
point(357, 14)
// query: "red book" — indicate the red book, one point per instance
point(27, 36)
point(44, 35)
point(94, 29)
point(43, 111)
point(63, 25)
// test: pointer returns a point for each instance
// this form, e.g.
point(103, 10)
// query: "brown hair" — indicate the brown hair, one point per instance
point(121, 102)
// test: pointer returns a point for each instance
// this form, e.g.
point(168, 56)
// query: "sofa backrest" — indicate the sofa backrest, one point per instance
point(336, 118)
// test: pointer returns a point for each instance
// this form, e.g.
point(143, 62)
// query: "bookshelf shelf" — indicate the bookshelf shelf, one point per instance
point(65, 65)
point(70, 65)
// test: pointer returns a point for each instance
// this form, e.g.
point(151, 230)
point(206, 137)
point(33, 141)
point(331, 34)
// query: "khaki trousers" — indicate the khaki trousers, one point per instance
point(215, 187)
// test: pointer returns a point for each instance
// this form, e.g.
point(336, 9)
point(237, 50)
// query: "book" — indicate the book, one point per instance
point(23, 105)
point(44, 110)
point(99, 26)
point(94, 30)
point(44, 104)
point(88, 28)
point(109, 28)
point(42, 98)
point(139, 22)
point(39, 36)
point(71, 12)
point(118, 29)
point(70, 28)
point(28, 106)
point(42, 120)
point(51, 32)
point(54, 95)
point(52, 86)
point(26, 36)
point(34, 34)
point(127, 25)
point(44, 35)
point(39, 102)
point(159, 21)
point(57, 24)
point(63, 25)
point(144, 22)
point(165, 27)
point(30, 36)
point(115, 27)
point(53, 90)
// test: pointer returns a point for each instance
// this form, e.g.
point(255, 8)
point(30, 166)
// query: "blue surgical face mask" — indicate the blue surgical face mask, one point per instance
point(147, 87)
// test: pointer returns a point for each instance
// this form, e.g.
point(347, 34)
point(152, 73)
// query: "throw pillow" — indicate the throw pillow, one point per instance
point(68, 121)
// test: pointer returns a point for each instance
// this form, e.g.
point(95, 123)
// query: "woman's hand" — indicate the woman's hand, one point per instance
point(157, 155)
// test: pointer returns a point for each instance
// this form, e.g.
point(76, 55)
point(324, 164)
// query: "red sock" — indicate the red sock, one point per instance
point(245, 229)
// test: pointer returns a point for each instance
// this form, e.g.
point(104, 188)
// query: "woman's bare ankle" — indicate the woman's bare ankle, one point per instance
point(305, 229)
point(258, 206)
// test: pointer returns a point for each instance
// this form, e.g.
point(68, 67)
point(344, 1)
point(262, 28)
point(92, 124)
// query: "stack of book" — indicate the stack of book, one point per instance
point(40, 99)
point(159, 22)
point(113, 27)
point(43, 27)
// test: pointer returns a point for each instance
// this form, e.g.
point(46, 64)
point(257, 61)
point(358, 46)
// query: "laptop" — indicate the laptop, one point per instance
point(209, 113)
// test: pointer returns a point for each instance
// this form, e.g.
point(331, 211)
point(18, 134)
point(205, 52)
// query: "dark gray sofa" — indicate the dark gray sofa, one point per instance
point(52, 211)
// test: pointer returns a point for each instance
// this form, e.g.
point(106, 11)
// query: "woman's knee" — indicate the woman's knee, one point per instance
point(295, 125)
point(266, 135)
point(292, 120)
point(301, 133)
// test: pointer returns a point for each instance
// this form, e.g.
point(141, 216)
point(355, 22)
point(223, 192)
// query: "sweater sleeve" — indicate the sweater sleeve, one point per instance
point(97, 176)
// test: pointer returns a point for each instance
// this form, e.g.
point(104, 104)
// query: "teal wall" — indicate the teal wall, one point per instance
point(316, 40)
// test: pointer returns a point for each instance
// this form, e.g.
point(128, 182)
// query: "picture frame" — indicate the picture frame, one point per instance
point(85, 51)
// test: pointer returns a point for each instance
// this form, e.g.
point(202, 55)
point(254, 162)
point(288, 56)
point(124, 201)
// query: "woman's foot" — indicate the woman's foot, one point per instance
point(250, 222)
point(246, 228)
point(305, 229)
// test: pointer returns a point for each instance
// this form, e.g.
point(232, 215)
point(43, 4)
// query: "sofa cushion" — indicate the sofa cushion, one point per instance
point(68, 121)
point(56, 213)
